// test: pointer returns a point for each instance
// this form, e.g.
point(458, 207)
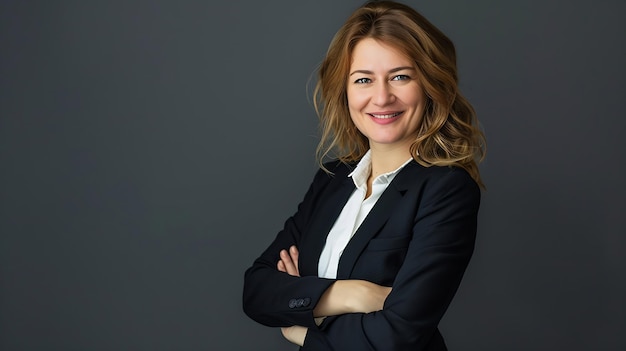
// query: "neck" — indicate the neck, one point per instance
point(385, 159)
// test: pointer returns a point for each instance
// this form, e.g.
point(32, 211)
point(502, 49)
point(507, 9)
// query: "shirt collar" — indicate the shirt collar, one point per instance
point(364, 167)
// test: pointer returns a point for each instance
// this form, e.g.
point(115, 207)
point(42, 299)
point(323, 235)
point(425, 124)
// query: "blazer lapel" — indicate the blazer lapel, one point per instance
point(326, 213)
point(377, 217)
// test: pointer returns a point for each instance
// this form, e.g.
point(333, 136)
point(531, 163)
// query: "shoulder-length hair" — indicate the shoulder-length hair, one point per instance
point(448, 134)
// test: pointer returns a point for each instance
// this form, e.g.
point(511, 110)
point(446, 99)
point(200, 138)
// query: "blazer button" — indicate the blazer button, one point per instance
point(300, 303)
point(307, 302)
point(293, 303)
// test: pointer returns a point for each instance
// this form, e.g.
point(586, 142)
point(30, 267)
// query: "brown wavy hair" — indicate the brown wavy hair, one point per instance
point(448, 134)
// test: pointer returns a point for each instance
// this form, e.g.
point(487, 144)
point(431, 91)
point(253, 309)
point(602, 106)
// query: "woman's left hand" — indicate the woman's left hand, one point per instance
point(295, 334)
point(288, 262)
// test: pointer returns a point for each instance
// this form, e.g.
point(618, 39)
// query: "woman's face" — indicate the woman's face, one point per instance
point(385, 100)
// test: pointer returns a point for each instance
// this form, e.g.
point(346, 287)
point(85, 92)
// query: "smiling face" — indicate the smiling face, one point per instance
point(385, 99)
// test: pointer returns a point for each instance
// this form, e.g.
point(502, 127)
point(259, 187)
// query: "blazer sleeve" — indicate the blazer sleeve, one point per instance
point(274, 298)
point(442, 243)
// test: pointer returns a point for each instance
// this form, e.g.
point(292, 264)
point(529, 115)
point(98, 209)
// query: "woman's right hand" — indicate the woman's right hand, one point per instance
point(366, 297)
point(351, 296)
point(344, 296)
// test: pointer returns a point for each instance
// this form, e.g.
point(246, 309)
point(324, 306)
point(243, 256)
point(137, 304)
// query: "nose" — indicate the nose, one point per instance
point(382, 94)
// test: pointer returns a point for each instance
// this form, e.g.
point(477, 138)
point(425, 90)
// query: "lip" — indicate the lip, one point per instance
point(385, 117)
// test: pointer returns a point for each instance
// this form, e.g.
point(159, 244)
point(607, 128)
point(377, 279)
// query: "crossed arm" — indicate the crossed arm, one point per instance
point(442, 241)
point(343, 296)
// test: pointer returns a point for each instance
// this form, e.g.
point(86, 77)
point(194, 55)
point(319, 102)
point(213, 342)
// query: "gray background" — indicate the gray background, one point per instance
point(149, 150)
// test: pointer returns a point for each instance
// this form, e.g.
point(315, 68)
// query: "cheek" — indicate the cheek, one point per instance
point(354, 114)
point(414, 97)
point(356, 100)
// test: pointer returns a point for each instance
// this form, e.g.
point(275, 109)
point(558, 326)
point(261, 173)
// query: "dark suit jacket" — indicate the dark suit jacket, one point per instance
point(418, 239)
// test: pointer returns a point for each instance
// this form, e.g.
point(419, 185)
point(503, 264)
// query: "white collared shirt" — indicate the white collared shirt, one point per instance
point(353, 214)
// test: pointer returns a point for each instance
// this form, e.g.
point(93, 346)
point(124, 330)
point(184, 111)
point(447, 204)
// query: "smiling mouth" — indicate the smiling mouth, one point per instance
point(386, 115)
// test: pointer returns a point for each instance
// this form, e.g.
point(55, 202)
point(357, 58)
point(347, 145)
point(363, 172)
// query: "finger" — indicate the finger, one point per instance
point(295, 255)
point(319, 320)
point(289, 266)
point(281, 266)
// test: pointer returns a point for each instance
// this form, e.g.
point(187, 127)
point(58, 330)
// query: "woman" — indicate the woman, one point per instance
point(378, 246)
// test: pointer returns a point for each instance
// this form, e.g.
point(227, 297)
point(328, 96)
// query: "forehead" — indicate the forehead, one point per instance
point(373, 53)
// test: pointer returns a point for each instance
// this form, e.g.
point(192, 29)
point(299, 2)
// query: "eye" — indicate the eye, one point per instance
point(401, 77)
point(362, 81)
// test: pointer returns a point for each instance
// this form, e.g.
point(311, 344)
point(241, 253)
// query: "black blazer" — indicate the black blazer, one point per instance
point(418, 239)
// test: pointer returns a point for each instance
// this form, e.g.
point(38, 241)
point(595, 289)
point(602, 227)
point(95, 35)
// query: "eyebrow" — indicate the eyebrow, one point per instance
point(393, 70)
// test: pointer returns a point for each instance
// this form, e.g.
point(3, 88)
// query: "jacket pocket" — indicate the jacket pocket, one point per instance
point(393, 243)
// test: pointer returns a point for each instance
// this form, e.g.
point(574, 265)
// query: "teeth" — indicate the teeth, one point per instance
point(386, 116)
